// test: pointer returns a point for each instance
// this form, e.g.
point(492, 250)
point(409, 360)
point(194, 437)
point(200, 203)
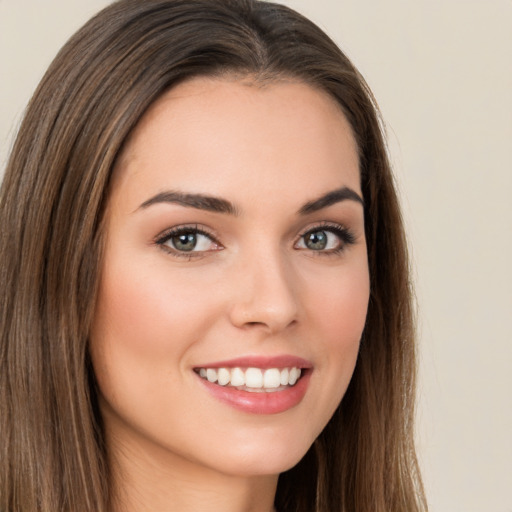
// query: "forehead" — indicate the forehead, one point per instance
point(228, 135)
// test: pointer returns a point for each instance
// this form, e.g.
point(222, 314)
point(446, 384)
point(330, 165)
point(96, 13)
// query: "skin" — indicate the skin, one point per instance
point(257, 289)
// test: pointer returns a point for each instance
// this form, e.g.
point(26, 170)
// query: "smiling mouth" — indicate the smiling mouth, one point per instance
point(255, 380)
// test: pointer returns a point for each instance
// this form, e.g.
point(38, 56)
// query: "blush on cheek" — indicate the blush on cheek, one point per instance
point(346, 305)
point(151, 312)
point(130, 310)
point(341, 315)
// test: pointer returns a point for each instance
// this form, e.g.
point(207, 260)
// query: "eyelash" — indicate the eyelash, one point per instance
point(344, 235)
point(162, 239)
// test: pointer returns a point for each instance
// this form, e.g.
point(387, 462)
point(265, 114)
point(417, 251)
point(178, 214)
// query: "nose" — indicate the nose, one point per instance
point(266, 294)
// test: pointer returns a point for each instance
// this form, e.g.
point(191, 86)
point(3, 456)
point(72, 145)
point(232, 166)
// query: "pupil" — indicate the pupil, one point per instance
point(317, 240)
point(185, 242)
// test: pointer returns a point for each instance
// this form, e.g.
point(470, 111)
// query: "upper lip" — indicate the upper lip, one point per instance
point(264, 362)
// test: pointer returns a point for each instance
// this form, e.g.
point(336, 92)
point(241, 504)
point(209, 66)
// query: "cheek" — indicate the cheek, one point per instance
point(145, 322)
point(143, 311)
point(142, 328)
point(339, 306)
point(338, 314)
point(342, 320)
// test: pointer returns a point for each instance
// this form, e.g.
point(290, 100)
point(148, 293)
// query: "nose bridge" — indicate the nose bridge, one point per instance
point(266, 293)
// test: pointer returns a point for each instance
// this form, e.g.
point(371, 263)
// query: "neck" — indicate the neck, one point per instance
point(147, 480)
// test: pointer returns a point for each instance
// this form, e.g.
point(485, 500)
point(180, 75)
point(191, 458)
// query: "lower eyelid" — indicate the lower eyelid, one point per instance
point(165, 243)
point(344, 236)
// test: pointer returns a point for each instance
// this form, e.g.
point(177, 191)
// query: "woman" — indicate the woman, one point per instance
point(206, 300)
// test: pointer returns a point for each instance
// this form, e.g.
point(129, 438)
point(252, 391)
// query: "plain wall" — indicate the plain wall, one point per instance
point(442, 74)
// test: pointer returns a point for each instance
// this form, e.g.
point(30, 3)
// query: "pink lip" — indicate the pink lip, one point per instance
point(261, 402)
point(264, 362)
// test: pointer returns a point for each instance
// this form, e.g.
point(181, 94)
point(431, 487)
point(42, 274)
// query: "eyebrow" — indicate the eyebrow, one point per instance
point(199, 201)
point(219, 205)
point(333, 197)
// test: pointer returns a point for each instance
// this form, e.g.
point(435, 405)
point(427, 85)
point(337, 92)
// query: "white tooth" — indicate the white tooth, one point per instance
point(211, 375)
point(253, 378)
point(272, 378)
point(284, 377)
point(237, 377)
point(223, 376)
point(202, 373)
point(294, 375)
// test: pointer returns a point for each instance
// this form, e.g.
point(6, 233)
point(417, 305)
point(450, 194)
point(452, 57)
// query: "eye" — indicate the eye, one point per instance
point(188, 240)
point(326, 238)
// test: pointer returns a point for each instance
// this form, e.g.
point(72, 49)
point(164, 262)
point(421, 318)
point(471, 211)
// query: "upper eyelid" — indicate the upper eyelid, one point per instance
point(324, 225)
point(346, 235)
point(169, 232)
point(161, 241)
point(198, 228)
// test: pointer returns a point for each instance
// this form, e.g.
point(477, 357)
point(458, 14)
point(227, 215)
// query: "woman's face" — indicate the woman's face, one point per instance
point(235, 258)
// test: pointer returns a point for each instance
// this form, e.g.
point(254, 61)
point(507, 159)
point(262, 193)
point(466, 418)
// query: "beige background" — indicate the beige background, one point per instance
point(441, 71)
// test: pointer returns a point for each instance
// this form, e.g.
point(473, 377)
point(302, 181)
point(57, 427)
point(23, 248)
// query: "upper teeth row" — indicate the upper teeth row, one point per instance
point(252, 377)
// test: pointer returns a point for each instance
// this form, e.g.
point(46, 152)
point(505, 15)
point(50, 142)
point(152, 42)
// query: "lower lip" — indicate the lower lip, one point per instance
point(263, 402)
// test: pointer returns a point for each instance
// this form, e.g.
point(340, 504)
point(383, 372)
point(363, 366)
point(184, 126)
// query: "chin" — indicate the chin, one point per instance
point(254, 458)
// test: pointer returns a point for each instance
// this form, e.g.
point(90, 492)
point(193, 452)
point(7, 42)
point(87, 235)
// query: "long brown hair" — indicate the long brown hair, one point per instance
point(52, 455)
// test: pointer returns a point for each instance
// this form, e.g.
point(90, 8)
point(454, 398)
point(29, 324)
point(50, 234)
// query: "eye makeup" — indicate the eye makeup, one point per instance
point(326, 239)
point(188, 241)
point(192, 241)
